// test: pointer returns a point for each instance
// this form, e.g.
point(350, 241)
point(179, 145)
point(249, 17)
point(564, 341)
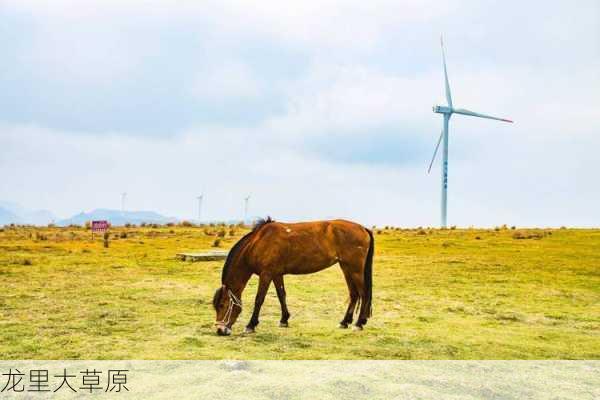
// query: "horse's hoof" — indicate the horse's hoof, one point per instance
point(343, 326)
point(283, 325)
point(357, 328)
point(248, 330)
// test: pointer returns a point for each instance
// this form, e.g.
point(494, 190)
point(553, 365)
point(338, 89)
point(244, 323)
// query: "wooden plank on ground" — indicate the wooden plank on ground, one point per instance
point(210, 255)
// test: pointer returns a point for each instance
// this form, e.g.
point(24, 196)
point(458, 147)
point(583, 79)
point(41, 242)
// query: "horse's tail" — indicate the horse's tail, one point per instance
point(369, 273)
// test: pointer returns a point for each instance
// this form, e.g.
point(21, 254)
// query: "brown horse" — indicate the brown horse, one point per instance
point(273, 249)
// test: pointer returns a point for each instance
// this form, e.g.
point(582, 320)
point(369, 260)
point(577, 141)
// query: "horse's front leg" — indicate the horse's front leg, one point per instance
point(264, 281)
point(280, 287)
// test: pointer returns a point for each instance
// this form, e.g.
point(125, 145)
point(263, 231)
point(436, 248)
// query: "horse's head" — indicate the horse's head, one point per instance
point(228, 306)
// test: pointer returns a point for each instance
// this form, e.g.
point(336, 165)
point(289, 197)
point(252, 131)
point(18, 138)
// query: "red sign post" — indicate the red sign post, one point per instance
point(99, 227)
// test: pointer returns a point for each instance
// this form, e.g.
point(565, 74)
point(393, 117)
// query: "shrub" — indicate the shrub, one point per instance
point(528, 235)
point(477, 238)
point(40, 236)
point(27, 261)
point(453, 227)
point(221, 233)
point(421, 232)
point(186, 224)
point(217, 243)
point(232, 232)
point(123, 235)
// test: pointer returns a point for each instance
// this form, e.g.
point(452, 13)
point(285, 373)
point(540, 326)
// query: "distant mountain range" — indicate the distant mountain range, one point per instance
point(11, 213)
point(116, 217)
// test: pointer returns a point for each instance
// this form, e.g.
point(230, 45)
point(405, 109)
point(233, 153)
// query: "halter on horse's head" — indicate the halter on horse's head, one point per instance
point(228, 307)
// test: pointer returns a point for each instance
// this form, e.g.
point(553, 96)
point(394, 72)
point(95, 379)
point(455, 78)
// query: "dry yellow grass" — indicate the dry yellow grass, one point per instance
point(438, 294)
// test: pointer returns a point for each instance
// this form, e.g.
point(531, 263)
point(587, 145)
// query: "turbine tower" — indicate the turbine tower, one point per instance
point(447, 112)
point(200, 198)
point(123, 195)
point(246, 199)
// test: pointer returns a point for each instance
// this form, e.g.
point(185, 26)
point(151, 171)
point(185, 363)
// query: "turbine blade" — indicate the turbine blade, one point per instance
point(437, 146)
point(474, 114)
point(448, 94)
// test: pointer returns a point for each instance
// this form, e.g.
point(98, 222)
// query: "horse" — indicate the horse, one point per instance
point(273, 249)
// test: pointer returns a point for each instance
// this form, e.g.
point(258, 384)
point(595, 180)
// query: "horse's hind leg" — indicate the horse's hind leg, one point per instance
point(353, 294)
point(364, 304)
point(280, 287)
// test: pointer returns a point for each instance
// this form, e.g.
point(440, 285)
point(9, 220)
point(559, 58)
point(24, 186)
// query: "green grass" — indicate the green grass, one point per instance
point(438, 294)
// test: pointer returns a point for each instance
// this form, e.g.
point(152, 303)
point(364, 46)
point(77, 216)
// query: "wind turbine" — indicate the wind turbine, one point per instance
point(246, 199)
point(200, 198)
point(123, 196)
point(447, 112)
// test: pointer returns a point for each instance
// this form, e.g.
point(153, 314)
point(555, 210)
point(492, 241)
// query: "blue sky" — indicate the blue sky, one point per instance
point(318, 109)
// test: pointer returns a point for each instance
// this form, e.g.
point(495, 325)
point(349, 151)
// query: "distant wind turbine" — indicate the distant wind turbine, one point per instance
point(200, 198)
point(246, 200)
point(123, 196)
point(447, 112)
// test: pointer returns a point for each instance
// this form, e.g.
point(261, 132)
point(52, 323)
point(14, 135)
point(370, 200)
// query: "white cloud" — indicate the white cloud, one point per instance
point(354, 100)
point(227, 81)
point(348, 23)
point(363, 66)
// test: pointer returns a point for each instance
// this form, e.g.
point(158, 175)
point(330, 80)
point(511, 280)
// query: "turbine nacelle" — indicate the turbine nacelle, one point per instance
point(442, 109)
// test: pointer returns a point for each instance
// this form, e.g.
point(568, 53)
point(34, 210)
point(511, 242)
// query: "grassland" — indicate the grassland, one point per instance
point(438, 294)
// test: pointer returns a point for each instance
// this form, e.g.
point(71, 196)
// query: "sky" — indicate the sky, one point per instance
point(317, 109)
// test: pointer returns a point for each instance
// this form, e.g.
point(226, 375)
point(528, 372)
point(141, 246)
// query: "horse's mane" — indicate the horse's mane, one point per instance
point(235, 250)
